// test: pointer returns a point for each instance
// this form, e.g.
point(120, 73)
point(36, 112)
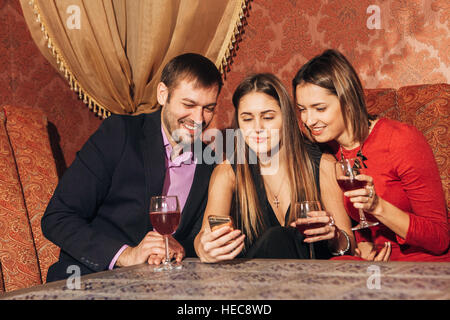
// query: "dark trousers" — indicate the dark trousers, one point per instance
point(285, 243)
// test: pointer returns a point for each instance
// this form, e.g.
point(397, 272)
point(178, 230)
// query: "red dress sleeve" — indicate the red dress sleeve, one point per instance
point(416, 167)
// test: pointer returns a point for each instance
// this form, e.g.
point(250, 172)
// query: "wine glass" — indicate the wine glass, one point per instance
point(165, 217)
point(346, 172)
point(301, 211)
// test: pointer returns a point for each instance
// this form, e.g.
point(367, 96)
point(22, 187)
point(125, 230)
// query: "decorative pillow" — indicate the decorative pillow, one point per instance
point(17, 252)
point(28, 135)
point(427, 107)
point(382, 102)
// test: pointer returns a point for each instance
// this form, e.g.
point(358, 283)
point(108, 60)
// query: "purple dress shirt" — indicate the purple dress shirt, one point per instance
point(179, 173)
point(177, 182)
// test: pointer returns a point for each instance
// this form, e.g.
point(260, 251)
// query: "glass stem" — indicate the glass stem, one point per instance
point(362, 217)
point(166, 238)
point(311, 251)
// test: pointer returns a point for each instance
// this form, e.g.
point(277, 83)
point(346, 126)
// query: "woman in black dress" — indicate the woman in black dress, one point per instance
point(273, 167)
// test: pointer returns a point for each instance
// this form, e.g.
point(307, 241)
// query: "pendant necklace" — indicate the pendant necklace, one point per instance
point(276, 201)
point(359, 154)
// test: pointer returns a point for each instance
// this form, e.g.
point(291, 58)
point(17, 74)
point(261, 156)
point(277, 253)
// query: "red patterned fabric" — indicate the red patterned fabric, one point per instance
point(427, 107)
point(17, 252)
point(27, 131)
point(410, 46)
point(27, 79)
point(382, 102)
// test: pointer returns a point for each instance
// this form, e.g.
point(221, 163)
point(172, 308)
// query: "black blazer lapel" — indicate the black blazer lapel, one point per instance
point(153, 155)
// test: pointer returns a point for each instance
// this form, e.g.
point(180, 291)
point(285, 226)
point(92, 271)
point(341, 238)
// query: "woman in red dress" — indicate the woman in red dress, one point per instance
point(404, 190)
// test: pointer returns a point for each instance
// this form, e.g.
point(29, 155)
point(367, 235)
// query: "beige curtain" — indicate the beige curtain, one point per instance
point(112, 51)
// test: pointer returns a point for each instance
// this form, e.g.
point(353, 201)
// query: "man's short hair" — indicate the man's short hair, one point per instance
point(191, 66)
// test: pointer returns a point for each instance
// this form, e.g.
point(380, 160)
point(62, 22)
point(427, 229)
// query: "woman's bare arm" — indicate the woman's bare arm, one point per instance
point(212, 246)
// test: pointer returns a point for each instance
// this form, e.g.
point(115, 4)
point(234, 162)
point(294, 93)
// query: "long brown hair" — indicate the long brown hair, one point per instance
point(299, 164)
point(332, 71)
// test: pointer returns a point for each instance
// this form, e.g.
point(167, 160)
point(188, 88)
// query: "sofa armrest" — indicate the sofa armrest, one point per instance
point(28, 135)
point(17, 252)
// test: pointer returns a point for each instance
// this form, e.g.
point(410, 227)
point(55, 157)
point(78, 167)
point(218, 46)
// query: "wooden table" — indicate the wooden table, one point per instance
point(258, 279)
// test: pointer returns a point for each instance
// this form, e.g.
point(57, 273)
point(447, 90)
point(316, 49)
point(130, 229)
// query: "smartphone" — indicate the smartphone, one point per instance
point(216, 222)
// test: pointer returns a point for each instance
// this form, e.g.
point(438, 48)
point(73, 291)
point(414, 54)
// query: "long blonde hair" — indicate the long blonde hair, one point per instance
point(299, 164)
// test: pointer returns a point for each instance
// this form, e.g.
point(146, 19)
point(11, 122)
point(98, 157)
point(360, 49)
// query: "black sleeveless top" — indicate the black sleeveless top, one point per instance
point(269, 218)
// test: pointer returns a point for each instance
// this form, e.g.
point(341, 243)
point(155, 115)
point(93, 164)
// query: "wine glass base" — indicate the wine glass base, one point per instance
point(167, 266)
point(364, 225)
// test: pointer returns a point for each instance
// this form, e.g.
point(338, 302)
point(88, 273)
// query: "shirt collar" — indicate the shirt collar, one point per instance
point(186, 157)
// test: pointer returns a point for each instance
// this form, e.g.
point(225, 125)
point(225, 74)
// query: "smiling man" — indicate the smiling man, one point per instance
point(99, 213)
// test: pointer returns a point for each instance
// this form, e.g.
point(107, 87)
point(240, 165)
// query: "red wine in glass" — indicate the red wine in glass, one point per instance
point(346, 172)
point(351, 184)
point(303, 227)
point(165, 217)
point(165, 222)
point(301, 211)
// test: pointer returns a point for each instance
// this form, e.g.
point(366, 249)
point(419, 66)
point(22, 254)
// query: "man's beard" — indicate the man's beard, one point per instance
point(180, 135)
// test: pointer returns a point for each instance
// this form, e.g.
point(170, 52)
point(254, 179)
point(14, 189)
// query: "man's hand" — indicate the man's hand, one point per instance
point(176, 251)
point(152, 250)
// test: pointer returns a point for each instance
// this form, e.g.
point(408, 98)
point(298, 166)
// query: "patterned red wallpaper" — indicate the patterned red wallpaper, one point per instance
point(392, 43)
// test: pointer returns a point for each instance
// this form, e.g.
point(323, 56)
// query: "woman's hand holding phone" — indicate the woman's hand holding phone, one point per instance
point(220, 241)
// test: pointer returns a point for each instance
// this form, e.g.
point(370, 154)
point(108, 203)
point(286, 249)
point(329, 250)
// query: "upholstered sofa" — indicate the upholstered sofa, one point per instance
point(28, 174)
point(28, 178)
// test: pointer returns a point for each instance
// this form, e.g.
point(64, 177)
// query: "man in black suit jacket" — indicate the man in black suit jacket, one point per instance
point(99, 213)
